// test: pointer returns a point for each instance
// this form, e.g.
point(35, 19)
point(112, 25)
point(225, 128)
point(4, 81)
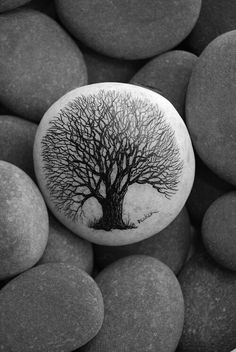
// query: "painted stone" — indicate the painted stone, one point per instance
point(129, 29)
point(53, 307)
point(219, 230)
point(114, 162)
point(143, 307)
point(211, 106)
point(23, 221)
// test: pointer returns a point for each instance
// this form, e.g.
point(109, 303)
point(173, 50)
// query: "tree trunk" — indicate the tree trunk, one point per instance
point(112, 208)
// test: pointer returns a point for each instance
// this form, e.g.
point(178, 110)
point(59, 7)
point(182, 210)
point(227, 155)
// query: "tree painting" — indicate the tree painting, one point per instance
point(101, 144)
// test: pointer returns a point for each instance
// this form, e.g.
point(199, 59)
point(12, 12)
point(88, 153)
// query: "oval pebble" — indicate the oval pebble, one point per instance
point(64, 246)
point(144, 308)
point(114, 162)
point(53, 307)
point(16, 142)
point(39, 63)
point(216, 18)
point(211, 106)
point(219, 230)
point(6, 5)
point(170, 246)
point(168, 74)
point(209, 294)
point(129, 29)
point(23, 221)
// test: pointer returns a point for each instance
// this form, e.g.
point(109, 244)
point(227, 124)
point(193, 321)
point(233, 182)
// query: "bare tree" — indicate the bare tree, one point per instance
point(99, 145)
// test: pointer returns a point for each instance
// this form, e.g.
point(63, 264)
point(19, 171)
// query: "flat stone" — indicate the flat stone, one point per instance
point(129, 29)
point(39, 63)
point(218, 230)
point(209, 293)
point(211, 106)
point(53, 307)
point(23, 221)
point(144, 307)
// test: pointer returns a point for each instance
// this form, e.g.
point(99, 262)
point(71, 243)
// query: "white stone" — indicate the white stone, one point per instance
point(102, 139)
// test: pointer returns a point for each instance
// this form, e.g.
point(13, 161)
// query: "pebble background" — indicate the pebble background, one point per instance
point(144, 307)
point(174, 292)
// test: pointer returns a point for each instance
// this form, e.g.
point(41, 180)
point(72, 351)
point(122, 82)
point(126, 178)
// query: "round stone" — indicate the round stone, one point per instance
point(39, 63)
point(53, 307)
point(6, 5)
point(216, 17)
point(219, 230)
point(65, 247)
point(129, 29)
point(144, 308)
point(209, 294)
point(211, 106)
point(23, 221)
point(168, 74)
point(16, 142)
point(114, 162)
point(170, 246)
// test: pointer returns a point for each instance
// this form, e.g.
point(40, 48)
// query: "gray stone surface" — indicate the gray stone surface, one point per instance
point(209, 294)
point(219, 230)
point(129, 29)
point(144, 308)
point(53, 307)
point(39, 63)
point(23, 221)
point(211, 106)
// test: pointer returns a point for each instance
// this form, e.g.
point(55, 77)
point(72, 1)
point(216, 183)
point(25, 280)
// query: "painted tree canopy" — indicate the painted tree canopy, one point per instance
point(99, 145)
